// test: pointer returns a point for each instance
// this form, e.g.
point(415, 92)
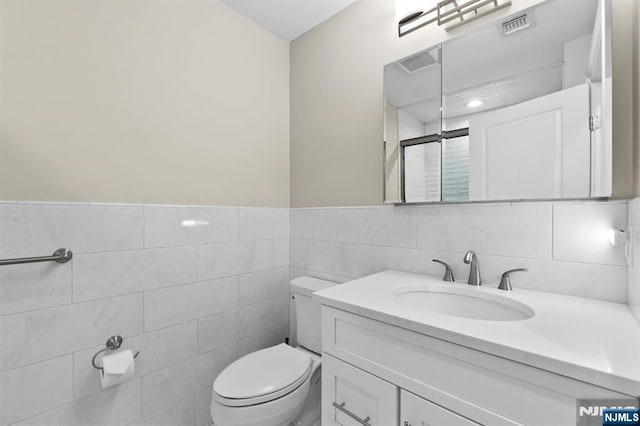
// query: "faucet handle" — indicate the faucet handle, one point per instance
point(448, 271)
point(505, 281)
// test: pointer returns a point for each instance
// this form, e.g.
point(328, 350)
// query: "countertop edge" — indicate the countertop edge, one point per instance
point(573, 371)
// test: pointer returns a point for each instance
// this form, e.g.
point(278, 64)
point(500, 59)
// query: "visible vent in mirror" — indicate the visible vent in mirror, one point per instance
point(418, 62)
point(516, 24)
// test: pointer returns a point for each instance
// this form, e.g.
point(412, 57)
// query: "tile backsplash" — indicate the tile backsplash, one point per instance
point(565, 245)
point(191, 288)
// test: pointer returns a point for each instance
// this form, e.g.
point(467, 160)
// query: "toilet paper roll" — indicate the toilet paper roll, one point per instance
point(117, 368)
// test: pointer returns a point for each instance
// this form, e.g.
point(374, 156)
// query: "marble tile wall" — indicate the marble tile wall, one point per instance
point(633, 291)
point(192, 288)
point(565, 245)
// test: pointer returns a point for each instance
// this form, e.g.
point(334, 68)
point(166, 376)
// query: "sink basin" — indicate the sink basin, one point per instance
point(462, 302)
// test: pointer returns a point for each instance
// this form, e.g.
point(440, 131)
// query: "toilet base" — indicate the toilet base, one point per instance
point(310, 415)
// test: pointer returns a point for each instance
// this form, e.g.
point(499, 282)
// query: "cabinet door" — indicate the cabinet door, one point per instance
point(415, 411)
point(362, 399)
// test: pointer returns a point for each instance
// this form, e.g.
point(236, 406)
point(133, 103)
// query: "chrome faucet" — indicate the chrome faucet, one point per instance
point(474, 273)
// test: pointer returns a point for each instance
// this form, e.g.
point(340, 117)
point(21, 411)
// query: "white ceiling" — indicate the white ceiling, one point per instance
point(288, 19)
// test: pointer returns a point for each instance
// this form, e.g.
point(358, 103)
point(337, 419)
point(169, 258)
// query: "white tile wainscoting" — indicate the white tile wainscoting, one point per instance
point(634, 268)
point(191, 288)
point(565, 245)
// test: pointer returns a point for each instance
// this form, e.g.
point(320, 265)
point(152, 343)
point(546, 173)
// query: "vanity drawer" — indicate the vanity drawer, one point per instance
point(478, 386)
point(416, 411)
point(368, 398)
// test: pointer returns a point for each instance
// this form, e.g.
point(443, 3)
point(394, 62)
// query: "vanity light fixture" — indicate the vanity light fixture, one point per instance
point(415, 14)
point(475, 103)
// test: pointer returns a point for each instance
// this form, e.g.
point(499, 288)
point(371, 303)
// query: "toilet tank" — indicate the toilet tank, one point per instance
point(307, 310)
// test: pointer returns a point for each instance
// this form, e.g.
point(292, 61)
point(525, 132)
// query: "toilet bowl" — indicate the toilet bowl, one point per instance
point(279, 385)
point(260, 390)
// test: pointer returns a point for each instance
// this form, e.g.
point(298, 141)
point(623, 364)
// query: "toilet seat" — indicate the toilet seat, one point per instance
point(262, 376)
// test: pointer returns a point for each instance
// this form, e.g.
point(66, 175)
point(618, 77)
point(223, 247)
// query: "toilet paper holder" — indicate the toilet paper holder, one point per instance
point(112, 344)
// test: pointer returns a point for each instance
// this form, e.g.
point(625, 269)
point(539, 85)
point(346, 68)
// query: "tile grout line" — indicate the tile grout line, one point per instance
point(74, 401)
point(166, 247)
point(72, 283)
point(199, 281)
point(142, 333)
point(4, 316)
point(542, 258)
point(140, 406)
point(553, 207)
point(144, 311)
point(163, 408)
point(73, 376)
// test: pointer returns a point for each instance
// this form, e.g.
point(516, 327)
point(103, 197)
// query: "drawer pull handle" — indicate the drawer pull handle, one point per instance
point(340, 407)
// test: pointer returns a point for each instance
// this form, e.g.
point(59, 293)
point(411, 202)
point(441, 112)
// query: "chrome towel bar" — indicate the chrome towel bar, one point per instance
point(62, 255)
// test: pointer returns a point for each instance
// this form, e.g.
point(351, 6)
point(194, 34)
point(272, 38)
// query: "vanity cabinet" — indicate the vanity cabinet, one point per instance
point(395, 375)
point(358, 394)
point(364, 398)
point(416, 411)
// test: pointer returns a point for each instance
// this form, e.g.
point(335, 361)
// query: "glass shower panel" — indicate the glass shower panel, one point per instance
point(455, 169)
point(422, 172)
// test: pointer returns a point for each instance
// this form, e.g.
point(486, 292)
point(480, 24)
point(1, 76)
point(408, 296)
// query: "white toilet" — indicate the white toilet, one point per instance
point(279, 385)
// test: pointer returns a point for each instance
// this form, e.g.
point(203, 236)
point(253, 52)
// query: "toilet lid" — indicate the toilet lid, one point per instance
point(262, 372)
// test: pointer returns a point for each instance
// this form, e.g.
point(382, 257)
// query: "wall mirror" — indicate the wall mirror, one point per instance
point(519, 109)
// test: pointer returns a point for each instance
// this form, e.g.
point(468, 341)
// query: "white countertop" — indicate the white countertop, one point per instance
point(585, 339)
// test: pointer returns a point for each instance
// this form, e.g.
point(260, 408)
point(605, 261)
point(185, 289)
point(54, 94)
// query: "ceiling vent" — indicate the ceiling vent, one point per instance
point(418, 62)
point(516, 24)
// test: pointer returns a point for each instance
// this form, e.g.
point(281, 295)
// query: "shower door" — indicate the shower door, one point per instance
point(537, 149)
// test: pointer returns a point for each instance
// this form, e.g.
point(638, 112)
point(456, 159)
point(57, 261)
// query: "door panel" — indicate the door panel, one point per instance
point(533, 150)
